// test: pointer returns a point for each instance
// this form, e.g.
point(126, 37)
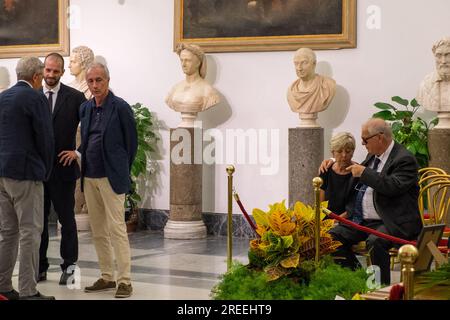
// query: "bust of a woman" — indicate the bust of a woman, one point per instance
point(193, 94)
point(80, 59)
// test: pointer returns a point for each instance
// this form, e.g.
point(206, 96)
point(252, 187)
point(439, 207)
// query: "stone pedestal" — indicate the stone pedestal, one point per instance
point(439, 148)
point(305, 157)
point(185, 220)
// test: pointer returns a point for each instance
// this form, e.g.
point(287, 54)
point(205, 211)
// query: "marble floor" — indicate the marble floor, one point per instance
point(162, 269)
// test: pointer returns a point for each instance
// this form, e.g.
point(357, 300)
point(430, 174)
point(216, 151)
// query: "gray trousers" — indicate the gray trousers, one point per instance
point(21, 222)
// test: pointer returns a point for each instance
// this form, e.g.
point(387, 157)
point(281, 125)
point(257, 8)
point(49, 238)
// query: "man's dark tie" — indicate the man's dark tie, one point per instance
point(358, 210)
point(50, 100)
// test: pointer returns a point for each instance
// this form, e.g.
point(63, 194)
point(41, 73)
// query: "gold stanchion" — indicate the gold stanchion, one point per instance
point(408, 255)
point(230, 171)
point(317, 183)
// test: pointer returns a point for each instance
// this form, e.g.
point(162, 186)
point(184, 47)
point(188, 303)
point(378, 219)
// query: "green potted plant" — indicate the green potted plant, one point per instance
point(146, 142)
point(408, 129)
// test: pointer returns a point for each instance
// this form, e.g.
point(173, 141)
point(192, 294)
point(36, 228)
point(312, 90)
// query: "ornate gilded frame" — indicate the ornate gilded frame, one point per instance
point(62, 46)
point(346, 39)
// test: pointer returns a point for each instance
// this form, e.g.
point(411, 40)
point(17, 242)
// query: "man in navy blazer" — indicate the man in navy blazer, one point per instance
point(26, 158)
point(388, 198)
point(108, 147)
point(60, 188)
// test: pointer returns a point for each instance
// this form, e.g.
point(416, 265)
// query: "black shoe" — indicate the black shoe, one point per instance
point(38, 296)
point(42, 276)
point(65, 276)
point(10, 295)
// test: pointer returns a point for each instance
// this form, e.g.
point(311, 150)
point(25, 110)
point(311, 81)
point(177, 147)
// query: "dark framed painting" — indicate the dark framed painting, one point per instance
point(30, 27)
point(265, 25)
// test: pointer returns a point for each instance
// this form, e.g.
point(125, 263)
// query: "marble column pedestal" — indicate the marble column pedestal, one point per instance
point(305, 157)
point(185, 219)
point(439, 148)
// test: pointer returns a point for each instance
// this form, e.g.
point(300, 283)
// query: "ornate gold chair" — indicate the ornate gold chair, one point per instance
point(435, 196)
point(427, 176)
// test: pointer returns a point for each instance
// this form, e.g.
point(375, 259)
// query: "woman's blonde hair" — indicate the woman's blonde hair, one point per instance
point(341, 141)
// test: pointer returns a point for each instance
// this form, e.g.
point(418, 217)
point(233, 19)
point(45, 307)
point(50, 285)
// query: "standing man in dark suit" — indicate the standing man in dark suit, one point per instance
point(64, 103)
point(386, 198)
point(108, 147)
point(26, 158)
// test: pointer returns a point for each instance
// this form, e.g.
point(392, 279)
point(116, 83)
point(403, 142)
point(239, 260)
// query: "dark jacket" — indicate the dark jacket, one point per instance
point(119, 140)
point(65, 119)
point(26, 135)
point(395, 192)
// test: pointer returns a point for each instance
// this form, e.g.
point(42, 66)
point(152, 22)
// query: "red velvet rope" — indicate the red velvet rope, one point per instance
point(340, 219)
point(368, 230)
point(244, 212)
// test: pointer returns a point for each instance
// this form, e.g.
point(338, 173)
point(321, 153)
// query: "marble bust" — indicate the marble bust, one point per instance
point(194, 94)
point(434, 91)
point(80, 58)
point(310, 93)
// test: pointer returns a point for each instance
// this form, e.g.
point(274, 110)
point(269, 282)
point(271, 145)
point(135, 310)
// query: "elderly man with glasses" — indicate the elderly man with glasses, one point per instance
point(385, 198)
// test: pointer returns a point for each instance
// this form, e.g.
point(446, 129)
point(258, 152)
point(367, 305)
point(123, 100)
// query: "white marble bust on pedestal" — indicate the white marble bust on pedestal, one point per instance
point(434, 92)
point(311, 93)
point(194, 94)
point(80, 59)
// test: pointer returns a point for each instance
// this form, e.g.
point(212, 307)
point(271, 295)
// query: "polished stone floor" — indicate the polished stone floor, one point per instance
point(162, 269)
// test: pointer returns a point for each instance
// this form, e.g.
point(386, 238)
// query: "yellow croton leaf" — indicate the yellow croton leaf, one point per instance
point(260, 217)
point(279, 207)
point(327, 225)
point(281, 224)
point(291, 262)
point(261, 230)
point(303, 212)
point(254, 244)
point(357, 296)
point(273, 273)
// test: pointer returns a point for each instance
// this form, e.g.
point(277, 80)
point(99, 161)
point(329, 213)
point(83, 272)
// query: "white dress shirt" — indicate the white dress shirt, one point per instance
point(55, 91)
point(368, 206)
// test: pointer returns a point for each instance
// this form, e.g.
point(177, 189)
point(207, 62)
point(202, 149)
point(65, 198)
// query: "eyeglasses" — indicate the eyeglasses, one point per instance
point(366, 140)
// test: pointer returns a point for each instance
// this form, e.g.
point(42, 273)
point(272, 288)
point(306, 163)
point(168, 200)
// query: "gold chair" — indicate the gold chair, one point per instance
point(429, 183)
point(427, 176)
point(436, 197)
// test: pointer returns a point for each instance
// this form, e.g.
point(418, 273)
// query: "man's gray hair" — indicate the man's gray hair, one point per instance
point(377, 125)
point(443, 42)
point(27, 67)
point(101, 65)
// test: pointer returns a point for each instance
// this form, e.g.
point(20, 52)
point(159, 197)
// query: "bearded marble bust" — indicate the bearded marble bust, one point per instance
point(310, 93)
point(194, 94)
point(434, 91)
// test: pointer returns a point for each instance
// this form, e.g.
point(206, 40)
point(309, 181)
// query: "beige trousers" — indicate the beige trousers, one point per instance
point(109, 231)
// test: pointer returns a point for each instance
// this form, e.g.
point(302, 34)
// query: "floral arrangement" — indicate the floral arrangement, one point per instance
point(287, 238)
point(281, 261)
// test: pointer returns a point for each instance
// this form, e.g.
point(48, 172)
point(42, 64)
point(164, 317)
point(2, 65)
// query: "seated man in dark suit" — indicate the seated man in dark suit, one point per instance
point(386, 198)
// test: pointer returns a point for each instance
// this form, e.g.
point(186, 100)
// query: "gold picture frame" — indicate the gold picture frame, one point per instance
point(22, 33)
point(197, 23)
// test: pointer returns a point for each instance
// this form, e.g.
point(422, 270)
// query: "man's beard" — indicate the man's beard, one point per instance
point(444, 72)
